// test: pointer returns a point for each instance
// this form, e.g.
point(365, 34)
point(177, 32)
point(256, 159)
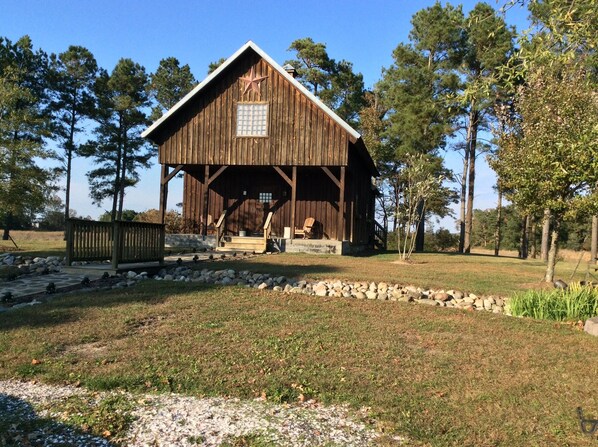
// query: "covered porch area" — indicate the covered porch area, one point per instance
point(235, 202)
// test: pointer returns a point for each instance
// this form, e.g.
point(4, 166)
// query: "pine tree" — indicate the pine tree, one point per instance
point(24, 122)
point(169, 84)
point(416, 91)
point(118, 150)
point(487, 45)
point(335, 83)
point(73, 75)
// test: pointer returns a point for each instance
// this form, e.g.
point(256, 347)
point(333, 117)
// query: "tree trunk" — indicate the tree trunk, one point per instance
point(69, 163)
point(474, 115)
point(594, 242)
point(421, 228)
point(123, 177)
point(552, 256)
point(531, 238)
point(498, 227)
point(462, 199)
point(523, 238)
point(545, 235)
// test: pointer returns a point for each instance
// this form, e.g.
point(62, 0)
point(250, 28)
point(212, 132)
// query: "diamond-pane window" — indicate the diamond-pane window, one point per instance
point(252, 119)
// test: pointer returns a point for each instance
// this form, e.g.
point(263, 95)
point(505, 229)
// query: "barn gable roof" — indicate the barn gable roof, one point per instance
point(354, 136)
point(250, 45)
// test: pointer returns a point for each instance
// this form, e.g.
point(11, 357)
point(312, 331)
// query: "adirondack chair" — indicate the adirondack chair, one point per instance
point(308, 228)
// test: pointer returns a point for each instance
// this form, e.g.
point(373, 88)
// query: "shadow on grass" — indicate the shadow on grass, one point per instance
point(20, 425)
point(70, 307)
point(456, 254)
point(288, 270)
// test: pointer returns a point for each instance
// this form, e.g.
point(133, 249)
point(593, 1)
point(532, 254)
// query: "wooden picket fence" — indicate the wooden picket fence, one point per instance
point(119, 241)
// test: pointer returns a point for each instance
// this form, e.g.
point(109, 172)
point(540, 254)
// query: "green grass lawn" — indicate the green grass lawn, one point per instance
point(440, 376)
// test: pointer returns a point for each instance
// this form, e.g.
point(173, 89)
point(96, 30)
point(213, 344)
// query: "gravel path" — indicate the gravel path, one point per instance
point(175, 420)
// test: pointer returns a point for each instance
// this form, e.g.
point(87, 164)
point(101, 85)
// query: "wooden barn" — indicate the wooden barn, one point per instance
point(265, 161)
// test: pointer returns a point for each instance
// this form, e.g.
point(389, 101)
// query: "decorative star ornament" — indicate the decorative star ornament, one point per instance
point(253, 82)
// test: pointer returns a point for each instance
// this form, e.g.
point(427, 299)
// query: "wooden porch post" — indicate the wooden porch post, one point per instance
point(293, 201)
point(341, 206)
point(163, 192)
point(206, 194)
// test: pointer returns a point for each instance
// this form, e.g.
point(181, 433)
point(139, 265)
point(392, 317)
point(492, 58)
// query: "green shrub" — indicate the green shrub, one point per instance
point(575, 303)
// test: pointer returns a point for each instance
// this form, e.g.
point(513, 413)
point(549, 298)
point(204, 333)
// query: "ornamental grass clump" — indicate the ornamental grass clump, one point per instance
point(577, 302)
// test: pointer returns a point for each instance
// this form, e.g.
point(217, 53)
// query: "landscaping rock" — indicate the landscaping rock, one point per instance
point(371, 295)
point(591, 326)
point(442, 296)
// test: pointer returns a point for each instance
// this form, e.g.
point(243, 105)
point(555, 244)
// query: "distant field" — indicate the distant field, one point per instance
point(38, 243)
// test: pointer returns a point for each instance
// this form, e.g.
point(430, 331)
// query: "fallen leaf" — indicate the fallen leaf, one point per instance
point(35, 362)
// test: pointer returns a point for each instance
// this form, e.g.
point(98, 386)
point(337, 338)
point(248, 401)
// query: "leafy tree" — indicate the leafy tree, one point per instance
point(127, 215)
point(548, 158)
point(333, 82)
point(173, 219)
point(52, 215)
point(24, 123)
point(118, 150)
point(419, 186)
point(73, 75)
point(169, 84)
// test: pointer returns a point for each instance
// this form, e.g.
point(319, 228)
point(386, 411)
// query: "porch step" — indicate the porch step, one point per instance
point(237, 243)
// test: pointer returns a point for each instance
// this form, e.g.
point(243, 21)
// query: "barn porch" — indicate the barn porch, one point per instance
point(234, 203)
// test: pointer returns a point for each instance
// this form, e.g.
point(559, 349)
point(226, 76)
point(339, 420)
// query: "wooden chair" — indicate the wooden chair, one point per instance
point(308, 228)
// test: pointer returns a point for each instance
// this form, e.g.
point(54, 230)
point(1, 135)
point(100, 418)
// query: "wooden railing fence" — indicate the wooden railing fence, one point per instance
point(380, 236)
point(119, 241)
point(268, 228)
point(220, 228)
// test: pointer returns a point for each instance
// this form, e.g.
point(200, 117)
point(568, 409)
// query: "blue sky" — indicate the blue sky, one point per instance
point(199, 32)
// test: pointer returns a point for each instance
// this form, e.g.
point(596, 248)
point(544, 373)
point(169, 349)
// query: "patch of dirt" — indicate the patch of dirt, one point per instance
point(143, 324)
point(88, 350)
point(408, 262)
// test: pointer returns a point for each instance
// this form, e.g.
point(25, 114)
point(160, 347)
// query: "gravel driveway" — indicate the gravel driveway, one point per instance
point(174, 420)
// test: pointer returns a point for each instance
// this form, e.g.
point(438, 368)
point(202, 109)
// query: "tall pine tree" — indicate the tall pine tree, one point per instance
point(334, 82)
point(118, 150)
point(169, 84)
point(73, 75)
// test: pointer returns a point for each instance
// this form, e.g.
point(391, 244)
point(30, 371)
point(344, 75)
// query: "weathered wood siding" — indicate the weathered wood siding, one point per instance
point(299, 132)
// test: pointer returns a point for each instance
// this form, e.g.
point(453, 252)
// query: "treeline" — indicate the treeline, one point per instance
point(524, 233)
point(67, 102)
point(526, 101)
